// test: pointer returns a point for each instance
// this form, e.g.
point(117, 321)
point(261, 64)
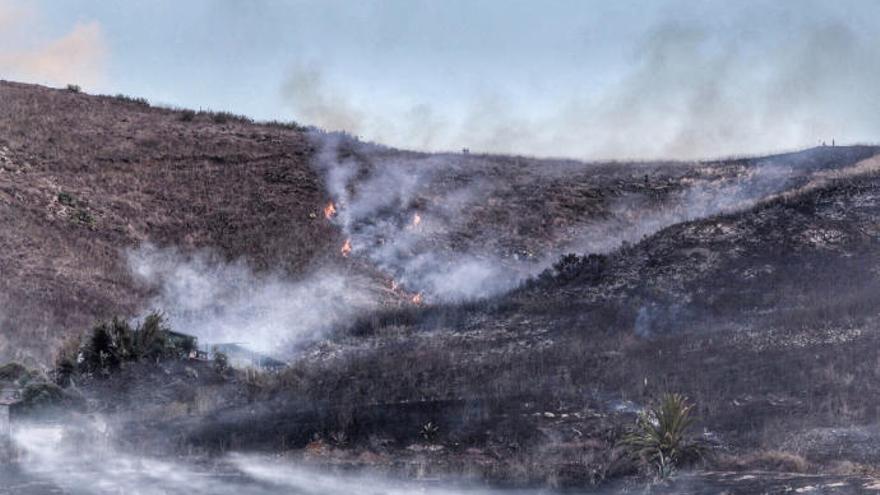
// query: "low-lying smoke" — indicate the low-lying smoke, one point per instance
point(85, 457)
point(631, 220)
point(223, 302)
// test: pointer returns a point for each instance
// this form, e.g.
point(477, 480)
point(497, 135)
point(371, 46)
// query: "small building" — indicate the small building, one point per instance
point(186, 343)
point(241, 357)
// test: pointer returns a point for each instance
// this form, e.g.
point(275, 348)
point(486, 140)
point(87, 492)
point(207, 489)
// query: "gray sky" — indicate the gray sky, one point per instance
point(583, 79)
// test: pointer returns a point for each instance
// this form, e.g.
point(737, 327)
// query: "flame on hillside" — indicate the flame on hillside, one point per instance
point(330, 211)
point(417, 299)
point(346, 248)
point(417, 219)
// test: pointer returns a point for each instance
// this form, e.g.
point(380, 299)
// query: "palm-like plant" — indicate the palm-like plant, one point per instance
point(660, 436)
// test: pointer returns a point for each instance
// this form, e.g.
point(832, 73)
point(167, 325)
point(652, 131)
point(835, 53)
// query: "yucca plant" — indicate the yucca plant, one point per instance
point(661, 435)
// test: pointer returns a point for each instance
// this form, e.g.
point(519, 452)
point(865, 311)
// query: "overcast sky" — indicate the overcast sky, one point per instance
point(583, 79)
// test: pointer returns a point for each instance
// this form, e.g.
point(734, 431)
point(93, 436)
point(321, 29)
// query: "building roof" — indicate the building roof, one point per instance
point(9, 396)
point(238, 351)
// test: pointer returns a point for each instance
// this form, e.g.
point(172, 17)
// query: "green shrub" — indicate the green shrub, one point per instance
point(14, 373)
point(131, 99)
point(66, 199)
point(83, 217)
point(661, 435)
point(110, 344)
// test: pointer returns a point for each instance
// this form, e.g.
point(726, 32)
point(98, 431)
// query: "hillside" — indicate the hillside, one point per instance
point(86, 179)
point(433, 317)
point(83, 178)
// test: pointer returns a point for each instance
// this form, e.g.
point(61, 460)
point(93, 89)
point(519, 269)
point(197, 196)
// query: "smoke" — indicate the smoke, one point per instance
point(85, 457)
point(691, 89)
point(422, 219)
point(76, 57)
point(221, 302)
point(632, 219)
point(400, 213)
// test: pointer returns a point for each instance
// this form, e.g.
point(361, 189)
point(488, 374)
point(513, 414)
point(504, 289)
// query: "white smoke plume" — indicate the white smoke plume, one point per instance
point(407, 212)
point(222, 302)
point(85, 457)
point(704, 197)
point(385, 214)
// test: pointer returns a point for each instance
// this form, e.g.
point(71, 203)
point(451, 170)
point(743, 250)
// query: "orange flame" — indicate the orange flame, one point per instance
point(330, 211)
point(417, 219)
point(417, 299)
point(346, 248)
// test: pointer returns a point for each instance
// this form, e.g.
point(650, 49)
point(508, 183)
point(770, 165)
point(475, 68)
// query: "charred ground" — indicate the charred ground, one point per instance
point(749, 285)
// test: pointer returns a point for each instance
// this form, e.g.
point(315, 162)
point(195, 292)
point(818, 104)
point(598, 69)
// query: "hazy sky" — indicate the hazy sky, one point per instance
point(585, 79)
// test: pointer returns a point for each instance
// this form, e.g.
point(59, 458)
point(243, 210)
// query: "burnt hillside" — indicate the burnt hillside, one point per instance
point(766, 317)
point(85, 178)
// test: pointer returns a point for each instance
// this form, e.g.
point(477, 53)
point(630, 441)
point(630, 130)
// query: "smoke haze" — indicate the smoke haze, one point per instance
point(86, 457)
point(690, 89)
point(222, 302)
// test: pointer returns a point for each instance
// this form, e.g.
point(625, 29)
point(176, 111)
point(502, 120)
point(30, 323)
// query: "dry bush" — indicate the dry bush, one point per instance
point(765, 460)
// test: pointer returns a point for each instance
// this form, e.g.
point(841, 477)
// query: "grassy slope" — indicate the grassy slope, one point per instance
point(86, 177)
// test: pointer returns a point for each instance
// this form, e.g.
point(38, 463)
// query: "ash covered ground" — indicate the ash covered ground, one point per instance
point(446, 322)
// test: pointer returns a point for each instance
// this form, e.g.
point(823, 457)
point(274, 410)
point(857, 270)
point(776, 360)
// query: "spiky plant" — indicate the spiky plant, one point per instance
point(430, 431)
point(661, 435)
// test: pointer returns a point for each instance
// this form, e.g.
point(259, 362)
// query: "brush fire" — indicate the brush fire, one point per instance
point(346, 248)
point(330, 211)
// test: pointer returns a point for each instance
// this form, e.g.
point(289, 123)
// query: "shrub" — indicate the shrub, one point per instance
point(221, 362)
point(292, 125)
point(660, 438)
point(14, 372)
point(66, 199)
point(83, 217)
point(45, 397)
point(429, 431)
point(110, 344)
point(131, 99)
point(224, 117)
point(187, 115)
point(74, 88)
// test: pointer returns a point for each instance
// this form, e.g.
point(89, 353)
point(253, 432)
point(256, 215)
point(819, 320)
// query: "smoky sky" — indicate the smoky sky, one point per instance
point(582, 79)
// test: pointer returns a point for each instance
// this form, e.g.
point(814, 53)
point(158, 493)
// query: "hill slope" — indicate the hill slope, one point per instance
point(83, 178)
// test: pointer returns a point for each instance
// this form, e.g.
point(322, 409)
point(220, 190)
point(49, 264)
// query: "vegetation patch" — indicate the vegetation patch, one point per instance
point(661, 438)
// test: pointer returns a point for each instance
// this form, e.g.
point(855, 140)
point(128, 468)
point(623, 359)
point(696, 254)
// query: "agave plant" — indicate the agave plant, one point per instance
point(661, 438)
point(430, 431)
